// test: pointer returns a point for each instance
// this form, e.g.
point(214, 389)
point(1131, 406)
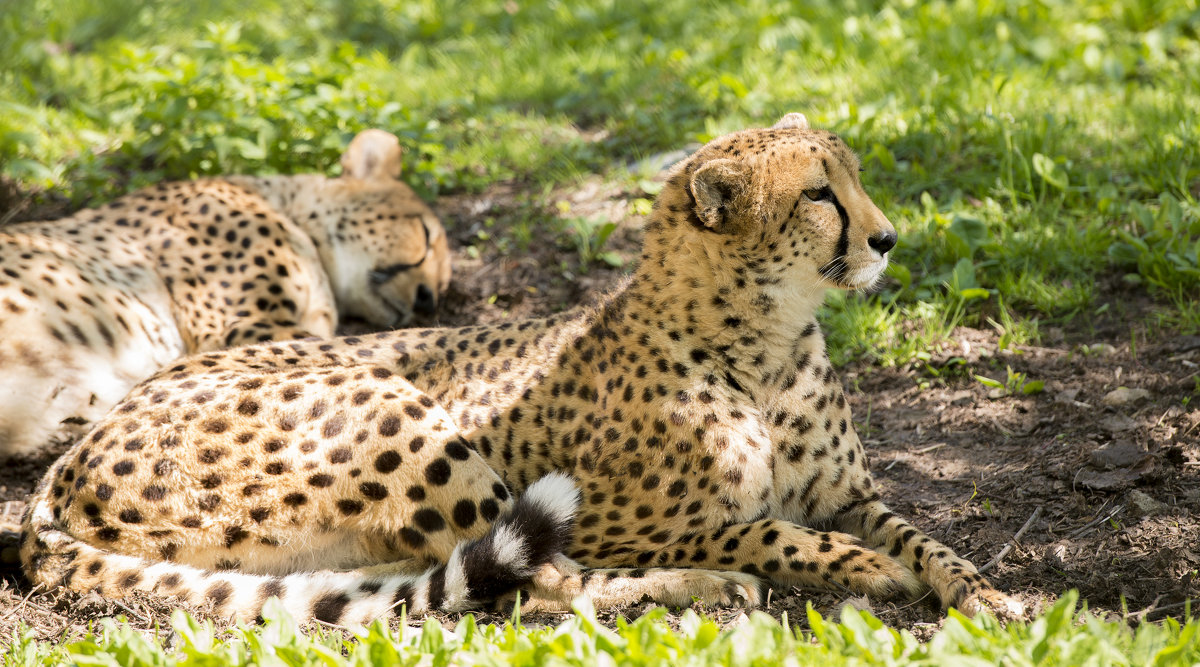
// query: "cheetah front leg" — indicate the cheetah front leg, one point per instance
point(792, 555)
point(726, 566)
point(955, 580)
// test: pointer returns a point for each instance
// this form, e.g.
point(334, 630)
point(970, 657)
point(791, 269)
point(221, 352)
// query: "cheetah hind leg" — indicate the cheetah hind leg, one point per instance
point(556, 585)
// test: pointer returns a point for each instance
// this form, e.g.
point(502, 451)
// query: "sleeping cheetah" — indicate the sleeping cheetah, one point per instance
point(92, 304)
point(694, 407)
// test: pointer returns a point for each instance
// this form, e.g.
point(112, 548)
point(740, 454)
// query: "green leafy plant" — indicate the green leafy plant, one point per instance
point(1014, 384)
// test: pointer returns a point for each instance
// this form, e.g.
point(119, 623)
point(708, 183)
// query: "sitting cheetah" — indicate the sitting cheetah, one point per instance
point(92, 304)
point(694, 407)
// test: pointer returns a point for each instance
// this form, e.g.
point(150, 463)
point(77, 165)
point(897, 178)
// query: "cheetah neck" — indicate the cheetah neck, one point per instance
point(298, 198)
point(694, 306)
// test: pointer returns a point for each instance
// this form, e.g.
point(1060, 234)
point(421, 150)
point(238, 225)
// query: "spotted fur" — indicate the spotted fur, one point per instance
point(92, 304)
point(695, 407)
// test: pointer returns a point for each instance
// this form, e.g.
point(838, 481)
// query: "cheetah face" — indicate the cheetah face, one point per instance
point(412, 272)
point(790, 200)
point(392, 258)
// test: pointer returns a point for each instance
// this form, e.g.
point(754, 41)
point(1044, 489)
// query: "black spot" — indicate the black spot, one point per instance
point(234, 535)
point(464, 513)
point(457, 451)
point(389, 426)
point(272, 588)
point(489, 509)
point(387, 461)
point(373, 490)
point(295, 499)
point(248, 407)
point(429, 520)
point(412, 537)
point(219, 593)
point(349, 507)
point(438, 472)
point(329, 607)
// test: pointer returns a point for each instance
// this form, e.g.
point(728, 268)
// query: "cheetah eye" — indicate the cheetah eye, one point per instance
point(819, 194)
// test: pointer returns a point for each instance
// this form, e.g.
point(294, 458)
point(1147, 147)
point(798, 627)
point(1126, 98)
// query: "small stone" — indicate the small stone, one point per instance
point(858, 603)
point(1124, 396)
point(1067, 396)
point(1117, 423)
point(962, 397)
point(1141, 504)
point(739, 620)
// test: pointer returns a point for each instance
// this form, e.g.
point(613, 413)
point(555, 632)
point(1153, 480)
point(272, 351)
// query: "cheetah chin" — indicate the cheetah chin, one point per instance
point(692, 414)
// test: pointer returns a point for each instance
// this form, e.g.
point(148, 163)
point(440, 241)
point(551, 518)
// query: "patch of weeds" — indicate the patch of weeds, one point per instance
point(589, 235)
point(1015, 384)
point(1160, 243)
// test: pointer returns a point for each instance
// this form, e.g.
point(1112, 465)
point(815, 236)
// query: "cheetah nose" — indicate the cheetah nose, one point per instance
point(883, 241)
point(426, 302)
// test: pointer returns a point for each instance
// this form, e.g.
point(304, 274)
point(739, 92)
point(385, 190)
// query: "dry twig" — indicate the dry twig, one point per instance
point(1015, 538)
point(22, 605)
point(1089, 526)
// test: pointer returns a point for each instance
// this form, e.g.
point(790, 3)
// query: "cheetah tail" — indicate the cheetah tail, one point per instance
point(536, 529)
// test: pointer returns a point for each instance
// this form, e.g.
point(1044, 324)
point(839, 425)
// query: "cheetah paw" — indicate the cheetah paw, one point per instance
point(1003, 607)
point(725, 589)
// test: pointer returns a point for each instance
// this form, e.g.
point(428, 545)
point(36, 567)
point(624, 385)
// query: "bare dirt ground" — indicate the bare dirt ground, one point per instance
point(1092, 484)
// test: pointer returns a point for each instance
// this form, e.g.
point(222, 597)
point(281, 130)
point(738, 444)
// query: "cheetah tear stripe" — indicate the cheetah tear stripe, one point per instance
point(536, 531)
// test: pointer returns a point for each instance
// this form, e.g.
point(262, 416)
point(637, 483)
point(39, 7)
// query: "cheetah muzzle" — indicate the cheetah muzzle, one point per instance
point(694, 409)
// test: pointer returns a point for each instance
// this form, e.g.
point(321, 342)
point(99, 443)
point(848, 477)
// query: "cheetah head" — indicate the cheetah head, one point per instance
point(787, 203)
point(390, 256)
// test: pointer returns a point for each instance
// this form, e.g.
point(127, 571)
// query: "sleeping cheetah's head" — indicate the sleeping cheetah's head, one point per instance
point(786, 204)
point(390, 258)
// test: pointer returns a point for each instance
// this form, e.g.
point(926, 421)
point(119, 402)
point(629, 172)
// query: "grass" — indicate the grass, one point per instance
point(1064, 635)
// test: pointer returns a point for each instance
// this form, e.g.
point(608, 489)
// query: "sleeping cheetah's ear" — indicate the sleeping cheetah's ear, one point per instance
point(372, 155)
point(719, 187)
point(791, 121)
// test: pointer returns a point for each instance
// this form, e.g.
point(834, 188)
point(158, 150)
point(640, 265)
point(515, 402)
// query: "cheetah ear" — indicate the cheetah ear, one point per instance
point(372, 155)
point(791, 121)
point(717, 185)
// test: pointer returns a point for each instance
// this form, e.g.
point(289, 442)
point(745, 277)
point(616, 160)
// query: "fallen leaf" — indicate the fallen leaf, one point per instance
point(1118, 454)
point(1124, 396)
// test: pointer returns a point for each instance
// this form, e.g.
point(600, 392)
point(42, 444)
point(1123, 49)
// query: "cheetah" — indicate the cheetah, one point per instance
point(92, 304)
point(687, 434)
